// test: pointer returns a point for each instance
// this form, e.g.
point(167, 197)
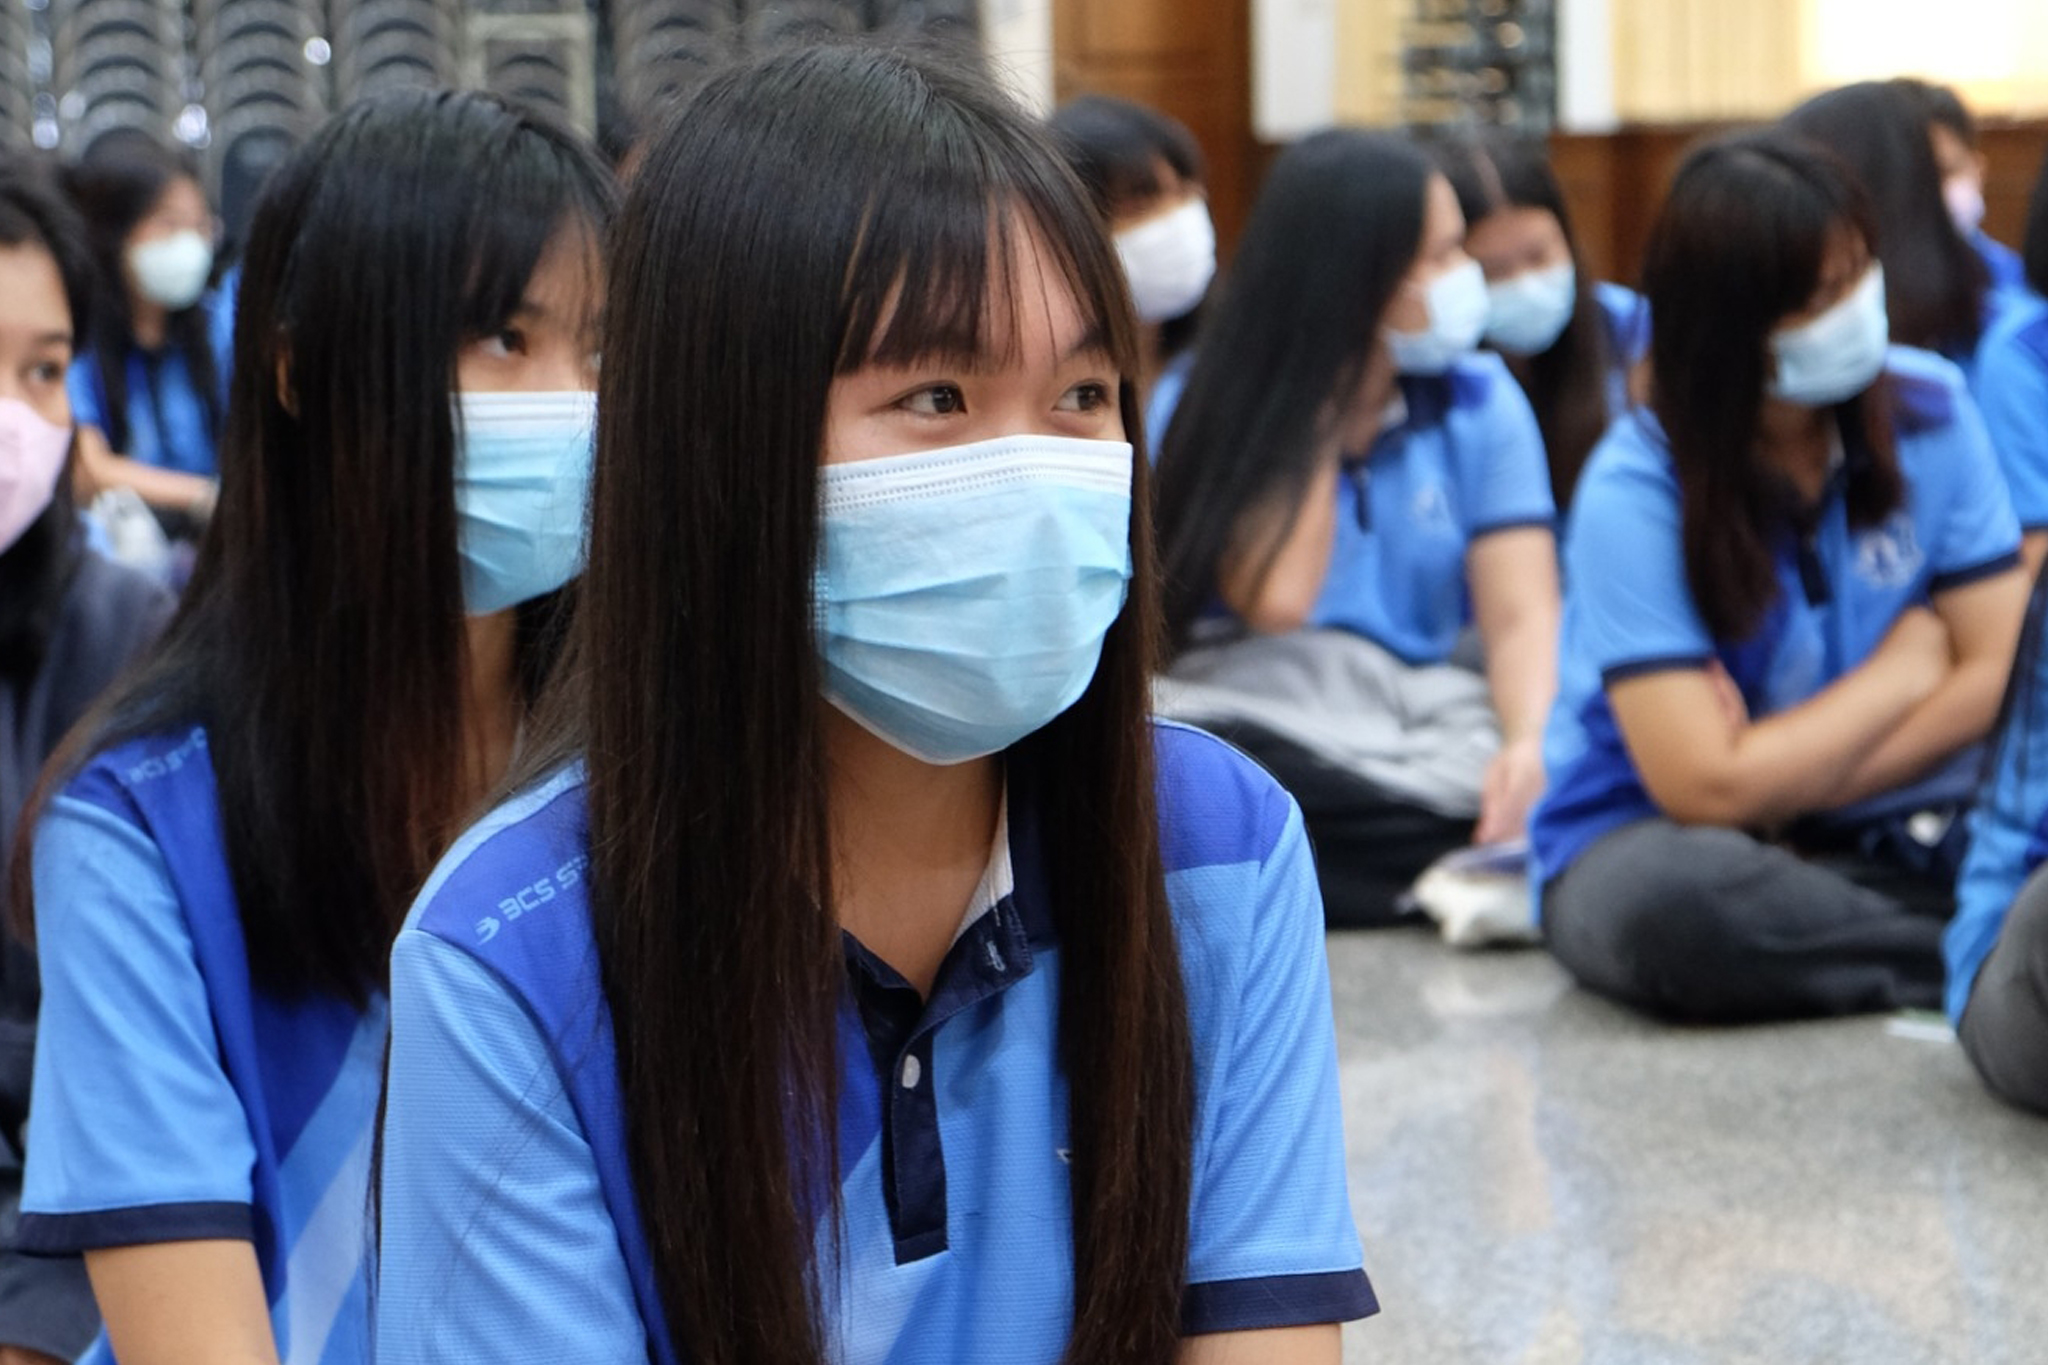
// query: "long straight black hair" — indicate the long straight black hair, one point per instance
point(115, 185)
point(804, 215)
point(35, 569)
point(1333, 233)
point(1739, 247)
point(1566, 384)
point(1934, 280)
point(320, 641)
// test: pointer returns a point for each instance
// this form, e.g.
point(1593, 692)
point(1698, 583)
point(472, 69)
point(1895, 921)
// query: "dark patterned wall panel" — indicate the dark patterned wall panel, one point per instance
point(17, 92)
point(663, 48)
point(265, 68)
point(391, 44)
point(117, 64)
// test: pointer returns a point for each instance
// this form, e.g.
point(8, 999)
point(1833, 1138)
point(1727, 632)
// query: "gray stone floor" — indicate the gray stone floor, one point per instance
point(1542, 1178)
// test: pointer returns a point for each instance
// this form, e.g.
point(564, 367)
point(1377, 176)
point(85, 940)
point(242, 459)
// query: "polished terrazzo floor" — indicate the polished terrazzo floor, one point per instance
point(1542, 1178)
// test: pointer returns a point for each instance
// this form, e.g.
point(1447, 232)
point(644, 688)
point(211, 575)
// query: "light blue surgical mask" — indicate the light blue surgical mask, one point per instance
point(964, 593)
point(1456, 300)
point(522, 476)
point(1837, 355)
point(1526, 313)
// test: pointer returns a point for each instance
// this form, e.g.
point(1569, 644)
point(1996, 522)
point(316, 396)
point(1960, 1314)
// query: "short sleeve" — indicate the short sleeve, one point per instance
point(1978, 533)
point(135, 1133)
point(496, 1240)
point(2012, 389)
point(1271, 1238)
point(1503, 474)
point(82, 384)
point(1629, 609)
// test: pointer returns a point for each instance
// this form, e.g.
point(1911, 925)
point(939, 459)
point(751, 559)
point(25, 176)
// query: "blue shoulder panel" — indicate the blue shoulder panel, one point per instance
point(1216, 807)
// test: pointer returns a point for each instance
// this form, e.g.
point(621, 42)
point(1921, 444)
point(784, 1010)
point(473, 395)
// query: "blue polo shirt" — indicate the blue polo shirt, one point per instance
point(2005, 266)
point(510, 1230)
point(2011, 386)
point(1462, 458)
point(174, 1099)
point(168, 421)
point(1630, 610)
point(1627, 315)
point(2008, 836)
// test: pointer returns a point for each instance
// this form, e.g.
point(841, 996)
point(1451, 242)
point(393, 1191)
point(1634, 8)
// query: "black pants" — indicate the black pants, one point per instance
point(1707, 924)
point(2005, 1027)
point(1369, 846)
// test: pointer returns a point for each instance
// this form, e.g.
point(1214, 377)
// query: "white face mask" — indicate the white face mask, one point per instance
point(1965, 200)
point(171, 271)
point(1169, 261)
point(1837, 355)
point(1526, 313)
point(1456, 301)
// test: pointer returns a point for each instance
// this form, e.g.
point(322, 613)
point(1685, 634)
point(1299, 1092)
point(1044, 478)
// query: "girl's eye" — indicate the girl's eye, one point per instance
point(1092, 396)
point(46, 372)
point(505, 343)
point(940, 400)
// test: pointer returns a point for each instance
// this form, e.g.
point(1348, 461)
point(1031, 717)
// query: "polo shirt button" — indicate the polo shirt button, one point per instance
point(913, 1072)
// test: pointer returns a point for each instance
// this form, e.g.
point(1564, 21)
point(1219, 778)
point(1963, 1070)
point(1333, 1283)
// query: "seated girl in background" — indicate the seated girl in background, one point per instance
point(69, 622)
point(1572, 342)
point(1146, 169)
point(1795, 589)
point(150, 389)
point(877, 985)
point(1952, 134)
point(1939, 294)
point(232, 839)
point(2012, 382)
point(1346, 486)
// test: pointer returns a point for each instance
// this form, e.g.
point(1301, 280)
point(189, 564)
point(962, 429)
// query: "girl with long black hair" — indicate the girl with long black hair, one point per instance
point(69, 622)
point(1573, 342)
point(150, 388)
point(1939, 292)
point(1795, 587)
point(856, 974)
point(229, 843)
point(1348, 484)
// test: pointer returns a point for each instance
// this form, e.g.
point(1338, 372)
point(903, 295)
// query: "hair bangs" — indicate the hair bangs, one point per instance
point(929, 263)
point(535, 193)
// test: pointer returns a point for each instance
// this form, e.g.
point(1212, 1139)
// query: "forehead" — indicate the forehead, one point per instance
point(568, 275)
point(31, 291)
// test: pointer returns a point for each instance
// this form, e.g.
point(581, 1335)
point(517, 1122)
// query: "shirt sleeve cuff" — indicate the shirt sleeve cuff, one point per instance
point(1656, 663)
point(1971, 573)
point(1276, 1301)
point(66, 1234)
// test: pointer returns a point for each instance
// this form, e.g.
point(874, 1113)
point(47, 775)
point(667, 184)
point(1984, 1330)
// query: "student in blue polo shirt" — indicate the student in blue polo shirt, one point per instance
point(858, 975)
point(232, 839)
point(150, 390)
point(1795, 589)
point(1939, 292)
point(1347, 485)
point(1952, 135)
point(2012, 383)
point(1572, 342)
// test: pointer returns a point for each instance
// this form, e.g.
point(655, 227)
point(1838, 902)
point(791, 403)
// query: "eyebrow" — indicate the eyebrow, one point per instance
point(52, 339)
point(1094, 340)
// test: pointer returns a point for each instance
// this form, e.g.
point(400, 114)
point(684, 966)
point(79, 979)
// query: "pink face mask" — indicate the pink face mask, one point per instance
point(32, 455)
